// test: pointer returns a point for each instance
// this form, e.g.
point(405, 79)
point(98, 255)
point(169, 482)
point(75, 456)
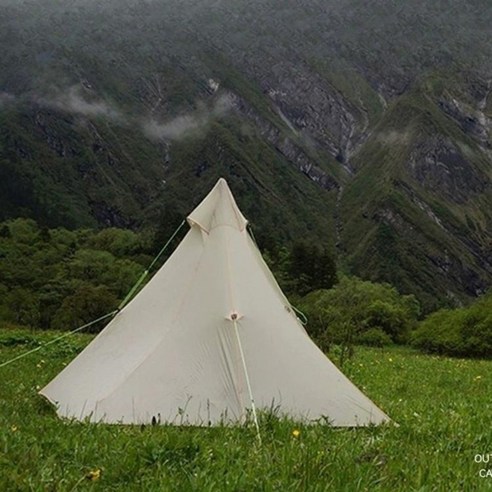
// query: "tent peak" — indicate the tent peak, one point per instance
point(217, 209)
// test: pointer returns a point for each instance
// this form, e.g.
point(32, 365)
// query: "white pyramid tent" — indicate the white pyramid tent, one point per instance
point(208, 337)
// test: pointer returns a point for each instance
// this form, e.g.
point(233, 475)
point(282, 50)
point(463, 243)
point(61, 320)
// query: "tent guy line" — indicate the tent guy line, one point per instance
point(57, 339)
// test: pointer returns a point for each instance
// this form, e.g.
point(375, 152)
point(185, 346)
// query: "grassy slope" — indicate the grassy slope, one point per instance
point(403, 249)
point(440, 404)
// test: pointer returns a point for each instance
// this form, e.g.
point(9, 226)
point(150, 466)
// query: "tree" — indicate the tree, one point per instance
point(325, 271)
point(118, 242)
point(23, 307)
point(85, 305)
point(311, 268)
point(5, 231)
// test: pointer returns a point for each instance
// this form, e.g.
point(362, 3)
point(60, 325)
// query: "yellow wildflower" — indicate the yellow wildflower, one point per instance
point(13, 428)
point(94, 475)
point(478, 377)
point(296, 433)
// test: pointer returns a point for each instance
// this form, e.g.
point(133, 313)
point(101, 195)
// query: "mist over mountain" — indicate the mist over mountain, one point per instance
point(363, 125)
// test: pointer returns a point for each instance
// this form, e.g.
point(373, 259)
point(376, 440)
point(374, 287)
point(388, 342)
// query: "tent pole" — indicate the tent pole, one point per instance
point(253, 406)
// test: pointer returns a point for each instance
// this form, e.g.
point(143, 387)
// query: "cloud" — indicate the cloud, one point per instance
point(190, 123)
point(76, 99)
point(72, 100)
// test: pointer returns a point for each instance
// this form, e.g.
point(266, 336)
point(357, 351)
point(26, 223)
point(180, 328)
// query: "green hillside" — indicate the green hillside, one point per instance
point(365, 127)
point(422, 199)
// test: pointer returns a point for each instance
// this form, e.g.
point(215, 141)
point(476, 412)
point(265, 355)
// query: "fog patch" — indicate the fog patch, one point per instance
point(192, 123)
point(80, 100)
point(73, 100)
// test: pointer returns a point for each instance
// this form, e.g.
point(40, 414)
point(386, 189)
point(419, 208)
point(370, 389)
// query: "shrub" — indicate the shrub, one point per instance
point(42, 268)
point(459, 332)
point(375, 337)
point(345, 313)
point(85, 305)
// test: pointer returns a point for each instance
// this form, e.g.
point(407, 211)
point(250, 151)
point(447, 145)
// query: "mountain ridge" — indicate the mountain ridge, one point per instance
point(328, 122)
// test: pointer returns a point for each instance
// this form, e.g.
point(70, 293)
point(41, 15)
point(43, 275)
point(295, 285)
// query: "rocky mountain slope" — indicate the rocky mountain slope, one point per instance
point(365, 125)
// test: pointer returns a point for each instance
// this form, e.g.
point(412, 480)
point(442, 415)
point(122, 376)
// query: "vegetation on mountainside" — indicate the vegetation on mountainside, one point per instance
point(335, 92)
point(109, 176)
point(439, 404)
point(277, 199)
point(420, 195)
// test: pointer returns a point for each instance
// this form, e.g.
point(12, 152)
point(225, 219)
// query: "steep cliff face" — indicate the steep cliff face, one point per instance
point(364, 126)
point(422, 196)
point(440, 167)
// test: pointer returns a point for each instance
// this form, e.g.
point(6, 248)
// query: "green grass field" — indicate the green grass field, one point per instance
point(443, 407)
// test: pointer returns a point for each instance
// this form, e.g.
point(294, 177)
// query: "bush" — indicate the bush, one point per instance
point(375, 337)
point(351, 309)
point(458, 332)
point(85, 305)
point(23, 307)
point(311, 267)
point(119, 242)
point(303, 268)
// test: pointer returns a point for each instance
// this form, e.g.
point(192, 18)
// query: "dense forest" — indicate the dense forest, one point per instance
point(60, 279)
